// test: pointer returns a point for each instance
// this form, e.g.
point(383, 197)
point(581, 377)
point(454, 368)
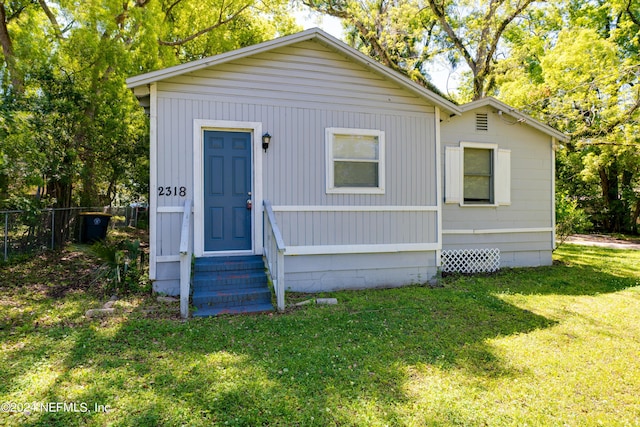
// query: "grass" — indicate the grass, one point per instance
point(546, 346)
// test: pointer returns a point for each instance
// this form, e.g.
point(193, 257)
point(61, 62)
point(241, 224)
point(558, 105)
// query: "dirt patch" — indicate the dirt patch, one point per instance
point(52, 273)
point(604, 240)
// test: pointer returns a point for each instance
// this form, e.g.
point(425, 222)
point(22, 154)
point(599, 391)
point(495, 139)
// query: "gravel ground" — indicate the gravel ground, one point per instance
point(603, 240)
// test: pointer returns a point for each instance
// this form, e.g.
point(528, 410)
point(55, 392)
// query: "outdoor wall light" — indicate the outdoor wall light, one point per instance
point(266, 140)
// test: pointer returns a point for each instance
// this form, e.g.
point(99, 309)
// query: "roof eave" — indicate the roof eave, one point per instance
point(526, 119)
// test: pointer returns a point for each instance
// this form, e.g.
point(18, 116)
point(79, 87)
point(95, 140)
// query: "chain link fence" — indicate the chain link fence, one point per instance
point(26, 232)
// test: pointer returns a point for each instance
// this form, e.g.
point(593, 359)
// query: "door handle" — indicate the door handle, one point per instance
point(249, 204)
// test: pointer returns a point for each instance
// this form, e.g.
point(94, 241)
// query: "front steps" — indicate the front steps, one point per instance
point(230, 285)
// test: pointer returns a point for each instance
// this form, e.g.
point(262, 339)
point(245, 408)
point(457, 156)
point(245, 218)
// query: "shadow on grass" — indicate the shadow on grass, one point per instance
point(340, 365)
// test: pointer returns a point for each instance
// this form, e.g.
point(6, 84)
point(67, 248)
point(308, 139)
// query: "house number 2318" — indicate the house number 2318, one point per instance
point(172, 191)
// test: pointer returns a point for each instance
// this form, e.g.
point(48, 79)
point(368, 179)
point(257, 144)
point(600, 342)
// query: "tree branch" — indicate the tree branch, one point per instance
point(52, 18)
point(634, 19)
point(591, 133)
point(16, 13)
point(505, 22)
point(171, 6)
point(439, 12)
point(481, 54)
point(328, 7)
point(484, 56)
point(220, 22)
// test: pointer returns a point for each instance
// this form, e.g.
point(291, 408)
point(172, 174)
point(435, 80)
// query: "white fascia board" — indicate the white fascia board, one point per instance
point(526, 119)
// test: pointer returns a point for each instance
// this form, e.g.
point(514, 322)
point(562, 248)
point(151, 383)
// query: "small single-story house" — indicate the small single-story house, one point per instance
point(367, 179)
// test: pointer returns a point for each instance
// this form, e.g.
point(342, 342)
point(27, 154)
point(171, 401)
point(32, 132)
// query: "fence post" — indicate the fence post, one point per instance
point(53, 229)
point(6, 235)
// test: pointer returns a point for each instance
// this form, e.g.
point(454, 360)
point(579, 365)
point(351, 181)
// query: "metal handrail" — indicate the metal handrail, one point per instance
point(275, 261)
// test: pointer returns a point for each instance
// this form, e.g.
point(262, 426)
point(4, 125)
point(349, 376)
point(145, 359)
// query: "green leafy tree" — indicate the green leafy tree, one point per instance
point(570, 218)
point(401, 35)
point(73, 134)
point(576, 67)
point(405, 35)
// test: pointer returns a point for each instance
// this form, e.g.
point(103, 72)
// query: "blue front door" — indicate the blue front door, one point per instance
point(227, 191)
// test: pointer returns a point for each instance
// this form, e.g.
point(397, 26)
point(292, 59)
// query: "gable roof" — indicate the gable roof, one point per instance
point(314, 34)
point(520, 116)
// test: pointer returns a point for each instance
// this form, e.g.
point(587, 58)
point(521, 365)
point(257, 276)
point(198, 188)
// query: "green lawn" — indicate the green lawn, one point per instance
point(548, 346)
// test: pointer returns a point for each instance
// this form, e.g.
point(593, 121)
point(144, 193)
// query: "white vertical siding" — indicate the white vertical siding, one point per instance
point(168, 227)
point(308, 228)
point(175, 158)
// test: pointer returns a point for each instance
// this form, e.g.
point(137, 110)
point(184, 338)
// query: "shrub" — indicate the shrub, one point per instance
point(570, 219)
point(122, 266)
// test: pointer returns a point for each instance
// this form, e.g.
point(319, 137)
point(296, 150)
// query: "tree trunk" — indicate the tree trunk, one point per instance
point(62, 214)
point(89, 195)
point(9, 55)
point(627, 200)
point(634, 217)
point(478, 88)
point(610, 183)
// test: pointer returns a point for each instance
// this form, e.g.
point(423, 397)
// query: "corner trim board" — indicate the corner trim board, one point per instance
point(439, 182)
point(153, 178)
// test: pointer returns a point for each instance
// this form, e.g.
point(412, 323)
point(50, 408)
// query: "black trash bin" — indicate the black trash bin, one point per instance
point(94, 226)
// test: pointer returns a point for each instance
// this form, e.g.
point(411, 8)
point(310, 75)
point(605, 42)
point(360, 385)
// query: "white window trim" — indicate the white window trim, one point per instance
point(330, 186)
point(494, 151)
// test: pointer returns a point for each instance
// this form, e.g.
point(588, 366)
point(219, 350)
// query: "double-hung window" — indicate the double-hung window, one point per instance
point(478, 175)
point(355, 161)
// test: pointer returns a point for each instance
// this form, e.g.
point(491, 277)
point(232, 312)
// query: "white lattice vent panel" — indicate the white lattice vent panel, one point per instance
point(471, 260)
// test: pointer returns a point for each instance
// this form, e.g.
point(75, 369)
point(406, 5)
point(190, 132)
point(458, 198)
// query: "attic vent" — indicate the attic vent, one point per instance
point(482, 122)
